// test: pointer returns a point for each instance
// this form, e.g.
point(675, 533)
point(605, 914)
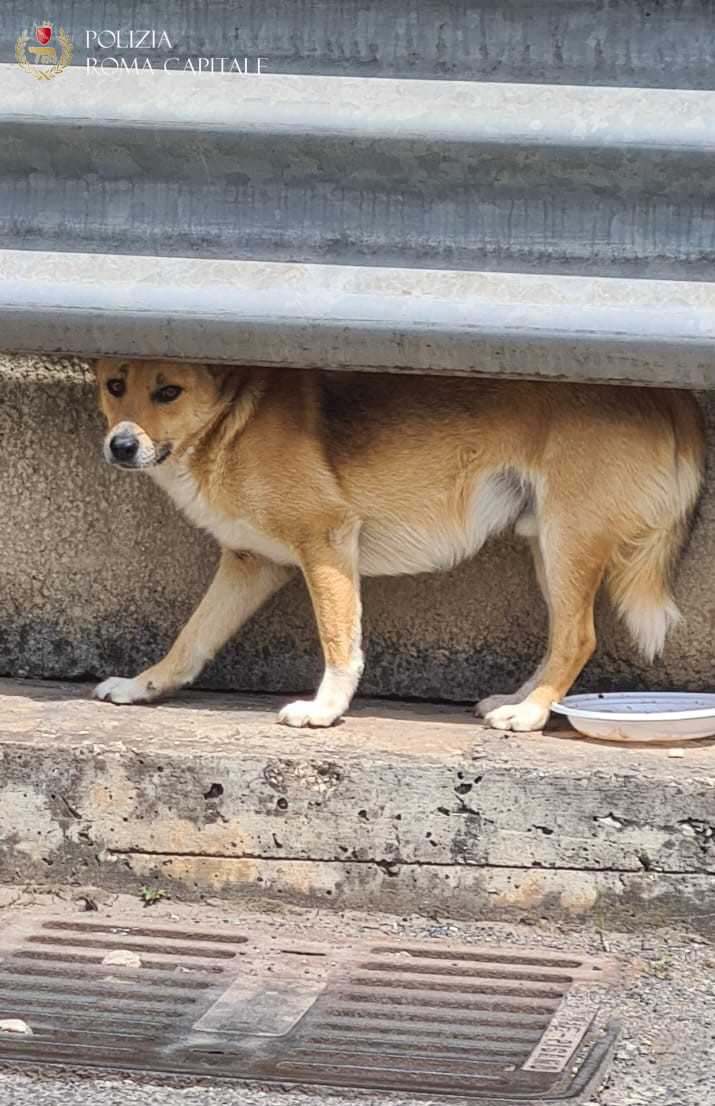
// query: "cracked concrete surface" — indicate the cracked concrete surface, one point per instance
point(402, 807)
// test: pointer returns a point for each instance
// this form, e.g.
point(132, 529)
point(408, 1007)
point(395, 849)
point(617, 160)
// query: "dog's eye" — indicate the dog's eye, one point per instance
point(116, 386)
point(168, 393)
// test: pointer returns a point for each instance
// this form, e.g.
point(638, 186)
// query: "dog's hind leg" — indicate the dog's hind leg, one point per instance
point(574, 567)
point(243, 581)
point(330, 567)
point(486, 706)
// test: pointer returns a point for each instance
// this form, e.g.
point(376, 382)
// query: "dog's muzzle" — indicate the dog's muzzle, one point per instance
point(124, 447)
point(130, 448)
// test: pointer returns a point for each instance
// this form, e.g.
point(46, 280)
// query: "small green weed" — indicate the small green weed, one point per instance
point(152, 895)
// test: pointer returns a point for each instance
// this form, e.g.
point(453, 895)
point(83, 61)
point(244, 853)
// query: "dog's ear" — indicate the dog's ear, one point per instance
point(228, 378)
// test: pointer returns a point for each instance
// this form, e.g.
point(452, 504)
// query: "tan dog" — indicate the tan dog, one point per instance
point(343, 475)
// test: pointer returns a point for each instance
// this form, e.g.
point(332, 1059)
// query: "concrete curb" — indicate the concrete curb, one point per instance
point(399, 808)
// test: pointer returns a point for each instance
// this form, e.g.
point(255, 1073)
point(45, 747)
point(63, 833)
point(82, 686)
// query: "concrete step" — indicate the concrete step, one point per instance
point(504, 177)
point(353, 317)
point(400, 808)
point(668, 43)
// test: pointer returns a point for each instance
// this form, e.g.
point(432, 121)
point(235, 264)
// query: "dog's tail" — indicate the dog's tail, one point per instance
point(639, 576)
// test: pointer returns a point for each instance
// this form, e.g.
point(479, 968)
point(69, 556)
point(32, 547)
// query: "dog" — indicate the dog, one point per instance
point(343, 475)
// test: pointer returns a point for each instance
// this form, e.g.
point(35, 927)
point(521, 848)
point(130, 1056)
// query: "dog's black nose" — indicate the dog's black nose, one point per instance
point(124, 445)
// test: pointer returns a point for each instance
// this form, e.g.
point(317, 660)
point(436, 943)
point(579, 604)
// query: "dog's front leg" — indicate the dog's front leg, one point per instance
point(243, 581)
point(331, 572)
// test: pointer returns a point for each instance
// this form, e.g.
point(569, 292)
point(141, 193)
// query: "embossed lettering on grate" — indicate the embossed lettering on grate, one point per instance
point(479, 1022)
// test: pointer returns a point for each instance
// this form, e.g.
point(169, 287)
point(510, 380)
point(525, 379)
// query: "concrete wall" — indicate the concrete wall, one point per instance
point(98, 572)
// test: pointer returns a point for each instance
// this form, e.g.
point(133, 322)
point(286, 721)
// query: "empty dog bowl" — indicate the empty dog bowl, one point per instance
point(641, 716)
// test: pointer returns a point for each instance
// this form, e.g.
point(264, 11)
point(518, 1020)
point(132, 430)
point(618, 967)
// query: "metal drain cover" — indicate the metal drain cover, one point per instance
point(480, 1022)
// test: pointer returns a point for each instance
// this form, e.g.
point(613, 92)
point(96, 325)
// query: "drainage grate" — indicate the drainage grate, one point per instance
point(507, 1025)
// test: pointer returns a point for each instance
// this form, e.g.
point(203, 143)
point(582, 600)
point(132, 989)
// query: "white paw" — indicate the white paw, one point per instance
point(492, 702)
point(522, 716)
point(307, 712)
point(117, 689)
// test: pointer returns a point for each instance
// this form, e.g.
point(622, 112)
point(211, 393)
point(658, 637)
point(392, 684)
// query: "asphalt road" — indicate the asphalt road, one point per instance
point(23, 1090)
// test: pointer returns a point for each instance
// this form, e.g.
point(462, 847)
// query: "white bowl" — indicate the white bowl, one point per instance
point(641, 715)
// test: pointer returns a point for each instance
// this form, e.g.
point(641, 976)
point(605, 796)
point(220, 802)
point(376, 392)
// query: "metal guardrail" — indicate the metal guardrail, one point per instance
point(343, 317)
point(444, 226)
point(639, 43)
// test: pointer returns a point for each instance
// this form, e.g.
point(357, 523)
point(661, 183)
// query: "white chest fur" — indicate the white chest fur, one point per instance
point(233, 533)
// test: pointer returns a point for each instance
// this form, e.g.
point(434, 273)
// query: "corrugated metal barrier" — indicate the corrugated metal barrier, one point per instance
point(436, 187)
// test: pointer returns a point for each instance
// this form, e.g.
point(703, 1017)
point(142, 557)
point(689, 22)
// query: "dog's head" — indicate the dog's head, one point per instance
point(153, 409)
